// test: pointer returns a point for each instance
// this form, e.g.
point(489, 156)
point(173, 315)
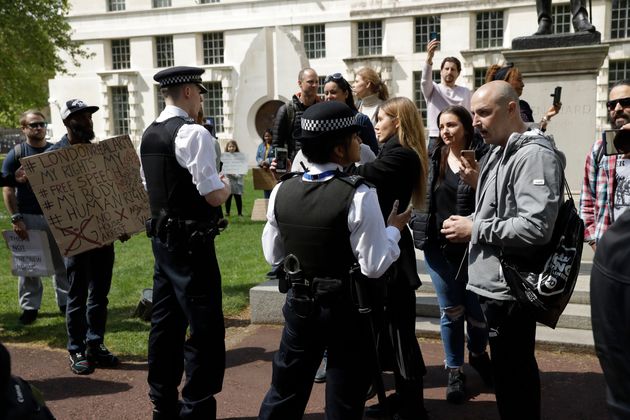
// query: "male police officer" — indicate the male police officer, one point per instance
point(185, 191)
point(328, 221)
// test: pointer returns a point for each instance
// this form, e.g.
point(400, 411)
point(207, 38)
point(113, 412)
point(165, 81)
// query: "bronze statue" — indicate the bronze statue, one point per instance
point(578, 11)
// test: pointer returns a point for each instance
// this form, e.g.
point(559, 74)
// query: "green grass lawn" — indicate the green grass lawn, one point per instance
point(240, 259)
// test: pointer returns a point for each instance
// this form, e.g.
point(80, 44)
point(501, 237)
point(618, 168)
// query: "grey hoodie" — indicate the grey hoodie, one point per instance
point(515, 210)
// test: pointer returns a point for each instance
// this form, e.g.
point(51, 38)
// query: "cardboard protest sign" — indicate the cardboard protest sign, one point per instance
point(90, 193)
point(263, 179)
point(234, 163)
point(30, 257)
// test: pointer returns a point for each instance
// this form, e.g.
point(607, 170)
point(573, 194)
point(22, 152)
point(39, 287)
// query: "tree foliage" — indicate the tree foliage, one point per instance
point(32, 34)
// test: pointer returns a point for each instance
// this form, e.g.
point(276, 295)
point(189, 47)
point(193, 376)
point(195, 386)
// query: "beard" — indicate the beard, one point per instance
point(82, 133)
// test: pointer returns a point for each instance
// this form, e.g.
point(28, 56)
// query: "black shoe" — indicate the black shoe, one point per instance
point(79, 364)
point(376, 411)
point(28, 316)
point(100, 356)
point(544, 26)
point(455, 391)
point(320, 376)
point(371, 393)
point(483, 366)
point(165, 415)
point(582, 24)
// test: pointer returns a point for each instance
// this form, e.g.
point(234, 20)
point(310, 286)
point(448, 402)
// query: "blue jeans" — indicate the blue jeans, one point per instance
point(456, 304)
point(90, 276)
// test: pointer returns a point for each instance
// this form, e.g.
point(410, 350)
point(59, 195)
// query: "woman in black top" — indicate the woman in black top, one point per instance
point(446, 262)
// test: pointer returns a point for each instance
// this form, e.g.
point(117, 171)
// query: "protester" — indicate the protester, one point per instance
point(610, 300)
point(265, 154)
point(329, 222)
point(89, 272)
point(518, 197)
point(185, 193)
point(287, 119)
point(236, 183)
point(446, 262)
point(513, 76)
point(400, 173)
point(370, 90)
point(605, 191)
point(440, 95)
point(26, 215)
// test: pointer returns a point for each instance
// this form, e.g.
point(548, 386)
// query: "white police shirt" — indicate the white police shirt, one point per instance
point(195, 151)
point(374, 246)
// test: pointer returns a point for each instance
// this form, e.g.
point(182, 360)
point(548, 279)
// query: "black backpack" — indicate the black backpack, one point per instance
point(23, 402)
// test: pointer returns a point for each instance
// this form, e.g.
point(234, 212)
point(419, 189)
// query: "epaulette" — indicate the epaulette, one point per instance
point(354, 180)
point(290, 175)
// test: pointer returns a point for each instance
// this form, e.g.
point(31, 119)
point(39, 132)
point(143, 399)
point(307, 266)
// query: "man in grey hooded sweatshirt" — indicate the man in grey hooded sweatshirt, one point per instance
point(519, 193)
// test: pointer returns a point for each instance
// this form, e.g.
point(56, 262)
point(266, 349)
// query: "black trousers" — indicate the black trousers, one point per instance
point(186, 295)
point(238, 198)
point(512, 337)
point(610, 313)
point(338, 328)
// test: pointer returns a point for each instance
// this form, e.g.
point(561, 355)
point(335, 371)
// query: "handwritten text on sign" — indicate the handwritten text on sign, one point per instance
point(30, 257)
point(90, 193)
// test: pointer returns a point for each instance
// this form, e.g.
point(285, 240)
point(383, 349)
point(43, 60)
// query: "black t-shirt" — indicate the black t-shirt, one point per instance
point(613, 252)
point(445, 196)
point(26, 201)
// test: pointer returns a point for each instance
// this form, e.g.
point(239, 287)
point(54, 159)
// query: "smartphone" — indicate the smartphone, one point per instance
point(434, 35)
point(281, 159)
point(557, 92)
point(617, 142)
point(469, 155)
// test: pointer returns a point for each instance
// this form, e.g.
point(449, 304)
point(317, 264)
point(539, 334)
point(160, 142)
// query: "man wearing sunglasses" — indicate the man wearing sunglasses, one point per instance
point(606, 182)
point(26, 214)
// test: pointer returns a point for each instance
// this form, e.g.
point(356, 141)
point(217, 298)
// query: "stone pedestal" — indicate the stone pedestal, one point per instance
point(575, 68)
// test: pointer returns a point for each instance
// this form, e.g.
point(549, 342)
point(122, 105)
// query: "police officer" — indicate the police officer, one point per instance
point(321, 224)
point(185, 192)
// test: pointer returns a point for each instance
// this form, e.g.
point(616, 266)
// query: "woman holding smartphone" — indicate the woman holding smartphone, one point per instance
point(446, 262)
point(399, 173)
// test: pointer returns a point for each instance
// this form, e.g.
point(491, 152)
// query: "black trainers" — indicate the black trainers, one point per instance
point(28, 316)
point(100, 356)
point(483, 366)
point(320, 376)
point(455, 391)
point(79, 364)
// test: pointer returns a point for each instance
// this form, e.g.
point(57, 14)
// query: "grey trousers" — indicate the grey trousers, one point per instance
point(30, 289)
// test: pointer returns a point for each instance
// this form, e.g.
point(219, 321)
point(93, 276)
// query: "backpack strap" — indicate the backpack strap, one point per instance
point(18, 149)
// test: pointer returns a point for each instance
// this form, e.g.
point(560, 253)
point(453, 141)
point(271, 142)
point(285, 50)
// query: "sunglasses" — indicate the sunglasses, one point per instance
point(37, 125)
point(624, 102)
point(337, 77)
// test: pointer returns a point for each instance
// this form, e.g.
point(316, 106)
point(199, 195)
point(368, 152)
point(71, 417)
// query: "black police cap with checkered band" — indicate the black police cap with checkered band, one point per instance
point(327, 118)
point(180, 75)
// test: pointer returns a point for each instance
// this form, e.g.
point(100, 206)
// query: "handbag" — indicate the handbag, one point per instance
point(545, 291)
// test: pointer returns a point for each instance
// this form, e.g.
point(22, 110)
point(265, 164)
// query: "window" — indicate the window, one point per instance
point(561, 14)
point(161, 3)
point(490, 29)
point(314, 38)
point(424, 26)
point(159, 99)
point(208, 1)
point(620, 19)
point(480, 77)
point(370, 37)
point(618, 70)
point(213, 104)
point(320, 88)
point(213, 48)
point(164, 51)
point(120, 110)
point(121, 57)
point(115, 5)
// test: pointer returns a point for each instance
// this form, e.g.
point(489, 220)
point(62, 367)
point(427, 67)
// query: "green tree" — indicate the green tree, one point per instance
point(32, 34)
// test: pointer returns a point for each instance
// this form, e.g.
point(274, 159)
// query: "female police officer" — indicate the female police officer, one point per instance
point(327, 222)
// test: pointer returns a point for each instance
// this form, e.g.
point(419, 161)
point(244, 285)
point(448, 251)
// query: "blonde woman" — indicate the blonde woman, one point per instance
point(400, 173)
point(370, 91)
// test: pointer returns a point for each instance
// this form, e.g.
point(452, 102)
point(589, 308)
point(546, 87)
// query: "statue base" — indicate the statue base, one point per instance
point(556, 40)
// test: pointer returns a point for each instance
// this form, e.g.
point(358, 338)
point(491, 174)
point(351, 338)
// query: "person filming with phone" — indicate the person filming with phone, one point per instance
point(605, 191)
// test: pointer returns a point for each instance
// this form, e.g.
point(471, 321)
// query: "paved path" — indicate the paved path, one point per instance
point(572, 384)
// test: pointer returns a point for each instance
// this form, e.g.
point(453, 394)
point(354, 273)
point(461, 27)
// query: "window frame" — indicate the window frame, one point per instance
point(372, 43)
point(484, 37)
point(213, 50)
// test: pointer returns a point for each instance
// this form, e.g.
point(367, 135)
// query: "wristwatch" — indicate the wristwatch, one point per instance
point(16, 217)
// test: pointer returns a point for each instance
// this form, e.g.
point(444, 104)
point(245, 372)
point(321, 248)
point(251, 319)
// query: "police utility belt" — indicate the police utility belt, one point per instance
point(178, 233)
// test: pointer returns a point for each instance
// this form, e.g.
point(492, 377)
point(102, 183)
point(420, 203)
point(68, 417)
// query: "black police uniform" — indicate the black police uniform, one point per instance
point(322, 314)
point(186, 282)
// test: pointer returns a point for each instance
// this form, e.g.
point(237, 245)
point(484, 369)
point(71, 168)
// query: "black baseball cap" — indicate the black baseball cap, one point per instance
point(75, 105)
